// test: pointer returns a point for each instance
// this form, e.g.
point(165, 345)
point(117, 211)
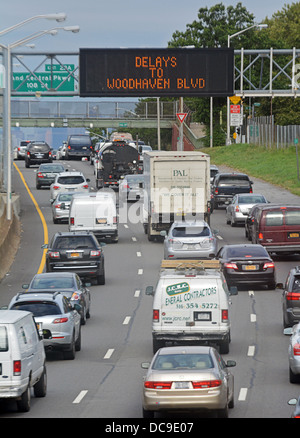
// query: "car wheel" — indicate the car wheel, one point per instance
point(101, 279)
point(24, 403)
point(294, 378)
point(70, 354)
point(224, 345)
point(40, 388)
point(78, 342)
point(27, 164)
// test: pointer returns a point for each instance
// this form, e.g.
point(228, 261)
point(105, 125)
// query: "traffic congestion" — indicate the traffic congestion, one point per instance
point(187, 283)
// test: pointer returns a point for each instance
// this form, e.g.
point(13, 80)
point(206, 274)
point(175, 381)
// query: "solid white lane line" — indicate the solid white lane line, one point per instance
point(109, 353)
point(243, 394)
point(126, 320)
point(80, 396)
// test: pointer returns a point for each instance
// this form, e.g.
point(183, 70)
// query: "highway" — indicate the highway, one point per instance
point(105, 379)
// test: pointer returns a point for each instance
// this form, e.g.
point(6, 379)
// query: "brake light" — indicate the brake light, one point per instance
point(269, 265)
point(156, 315)
point(60, 320)
point(95, 253)
point(86, 186)
point(54, 254)
point(69, 147)
point(251, 191)
point(216, 191)
point(224, 315)
point(260, 236)
point(293, 296)
point(115, 219)
point(17, 367)
point(296, 349)
point(50, 153)
point(157, 385)
point(40, 175)
point(230, 266)
point(55, 187)
point(72, 221)
point(237, 208)
point(75, 296)
point(207, 384)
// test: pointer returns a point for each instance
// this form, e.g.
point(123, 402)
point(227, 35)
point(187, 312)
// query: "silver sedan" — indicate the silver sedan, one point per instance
point(237, 211)
point(294, 352)
point(188, 378)
point(190, 239)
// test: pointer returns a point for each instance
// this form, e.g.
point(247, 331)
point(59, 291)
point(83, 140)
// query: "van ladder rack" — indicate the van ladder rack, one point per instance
point(190, 264)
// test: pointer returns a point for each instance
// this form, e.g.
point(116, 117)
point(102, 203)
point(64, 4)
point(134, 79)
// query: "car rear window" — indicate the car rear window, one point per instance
point(52, 168)
point(39, 148)
point(251, 199)
point(70, 179)
point(183, 361)
point(38, 308)
point(74, 242)
point(191, 231)
point(52, 283)
point(3, 339)
point(234, 181)
point(254, 251)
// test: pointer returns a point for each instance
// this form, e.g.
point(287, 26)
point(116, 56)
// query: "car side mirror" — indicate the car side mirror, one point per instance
point(230, 363)
point(149, 290)
point(233, 290)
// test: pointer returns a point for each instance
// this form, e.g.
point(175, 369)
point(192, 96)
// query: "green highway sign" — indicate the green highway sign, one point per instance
point(59, 67)
point(43, 81)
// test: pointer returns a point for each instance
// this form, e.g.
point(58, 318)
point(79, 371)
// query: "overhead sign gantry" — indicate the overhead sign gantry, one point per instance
point(156, 72)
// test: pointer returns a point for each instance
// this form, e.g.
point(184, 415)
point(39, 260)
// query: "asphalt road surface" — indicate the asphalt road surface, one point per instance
point(105, 379)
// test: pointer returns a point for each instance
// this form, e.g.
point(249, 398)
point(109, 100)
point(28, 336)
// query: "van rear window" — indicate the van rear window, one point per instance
point(3, 339)
point(274, 218)
point(292, 217)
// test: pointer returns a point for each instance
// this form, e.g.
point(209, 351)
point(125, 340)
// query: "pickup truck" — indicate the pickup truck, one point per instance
point(226, 185)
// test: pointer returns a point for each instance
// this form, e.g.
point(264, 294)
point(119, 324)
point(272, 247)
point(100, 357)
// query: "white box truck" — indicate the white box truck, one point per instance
point(177, 187)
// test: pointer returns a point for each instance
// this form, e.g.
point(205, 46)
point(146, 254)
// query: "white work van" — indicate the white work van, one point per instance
point(191, 305)
point(95, 212)
point(22, 358)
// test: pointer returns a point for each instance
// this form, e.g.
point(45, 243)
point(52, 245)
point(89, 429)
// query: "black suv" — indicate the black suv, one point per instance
point(291, 297)
point(78, 252)
point(38, 152)
point(226, 185)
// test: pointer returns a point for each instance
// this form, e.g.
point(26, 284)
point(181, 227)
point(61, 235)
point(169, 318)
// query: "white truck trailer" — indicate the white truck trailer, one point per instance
point(177, 187)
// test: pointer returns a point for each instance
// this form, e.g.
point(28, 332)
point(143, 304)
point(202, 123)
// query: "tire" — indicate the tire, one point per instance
point(101, 278)
point(40, 388)
point(78, 341)
point(24, 403)
point(157, 345)
point(224, 345)
point(294, 378)
point(70, 354)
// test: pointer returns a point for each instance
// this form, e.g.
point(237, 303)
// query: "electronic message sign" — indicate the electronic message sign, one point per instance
point(156, 72)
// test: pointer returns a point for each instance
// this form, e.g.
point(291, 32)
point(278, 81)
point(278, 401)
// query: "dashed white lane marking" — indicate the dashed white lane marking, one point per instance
point(126, 320)
point(219, 237)
point(109, 353)
point(80, 396)
point(137, 293)
point(125, 226)
point(243, 394)
point(139, 254)
point(140, 272)
point(134, 239)
point(251, 293)
point(251, 350)
point(252, 317)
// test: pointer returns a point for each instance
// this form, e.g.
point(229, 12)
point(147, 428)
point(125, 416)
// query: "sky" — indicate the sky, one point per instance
point(114, 23)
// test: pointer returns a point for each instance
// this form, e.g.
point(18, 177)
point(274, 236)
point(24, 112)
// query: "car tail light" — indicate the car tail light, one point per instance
point(207, 384)
point(54, 254)
point(224, 315)
point(72, 221)
point(69, 147)
point(40, 175)
point(50, 153)
point(115, 219)
point(251, 191)
point(260, 236)
point(216, 191)
point(269, 265)
point(157, 385)
point(75, 296)
point(60, 320)
point(296, 349)
point(95, 253)
point(17, 367)
point(86, 186)
point(156, 315)
point(230, 266)
point(55, 187)
point(293, 296)
point(237, 208)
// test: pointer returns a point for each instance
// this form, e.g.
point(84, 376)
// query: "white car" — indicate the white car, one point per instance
point(68, 182)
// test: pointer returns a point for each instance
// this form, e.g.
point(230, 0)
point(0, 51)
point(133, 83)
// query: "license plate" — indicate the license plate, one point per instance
point(101, 220)
point(293, 235)
point(250, 267)
point(74, 255)
point(39, 155)
point(181, 385)
point(202, 316)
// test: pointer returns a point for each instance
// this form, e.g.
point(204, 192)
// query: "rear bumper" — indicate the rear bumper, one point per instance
point(88, 270)
point(181, 337)
point(257, 278)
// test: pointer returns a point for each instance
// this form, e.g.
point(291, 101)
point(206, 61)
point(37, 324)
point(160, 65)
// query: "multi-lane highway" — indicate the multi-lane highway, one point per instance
point(105, 379)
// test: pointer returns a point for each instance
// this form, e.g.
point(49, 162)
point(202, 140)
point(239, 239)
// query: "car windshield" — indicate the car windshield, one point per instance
point(76, 179)
point(234, 181)
point(52, 283)
point(246, 252)
point(253, 199)
point(135, 179)
point(183, 361)
point(74, 242)
point(197, 231)
point(56, 168)
point(38, 308)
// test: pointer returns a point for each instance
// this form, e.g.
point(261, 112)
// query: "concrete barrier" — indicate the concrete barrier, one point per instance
point(10, 232)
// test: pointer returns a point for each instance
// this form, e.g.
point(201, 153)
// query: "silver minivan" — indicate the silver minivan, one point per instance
point(22, 358)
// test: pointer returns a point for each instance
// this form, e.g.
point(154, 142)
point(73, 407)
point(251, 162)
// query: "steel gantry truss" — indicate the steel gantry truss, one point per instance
point(257, 73)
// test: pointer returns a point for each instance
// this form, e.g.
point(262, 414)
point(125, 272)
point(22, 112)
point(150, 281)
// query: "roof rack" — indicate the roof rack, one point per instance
point(199, 265)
